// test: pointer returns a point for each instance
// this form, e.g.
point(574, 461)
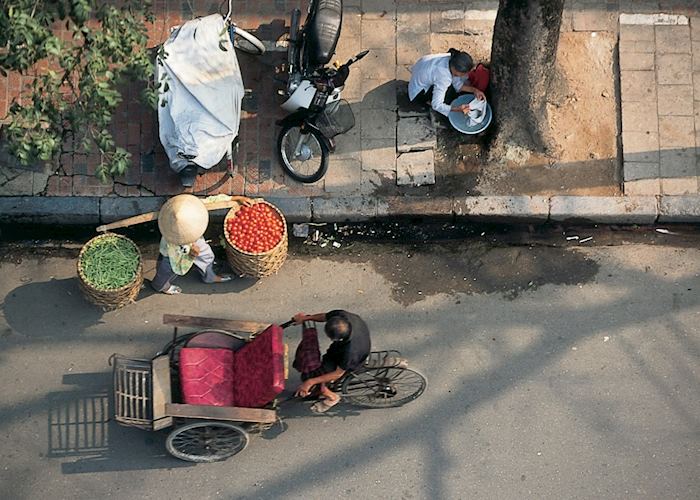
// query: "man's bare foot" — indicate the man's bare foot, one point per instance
point(323, 405)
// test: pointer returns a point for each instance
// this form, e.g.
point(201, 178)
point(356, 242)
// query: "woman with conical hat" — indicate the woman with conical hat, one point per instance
point(182, 221)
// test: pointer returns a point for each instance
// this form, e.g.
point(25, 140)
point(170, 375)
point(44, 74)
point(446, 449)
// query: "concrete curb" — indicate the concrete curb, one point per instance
point(496, 209)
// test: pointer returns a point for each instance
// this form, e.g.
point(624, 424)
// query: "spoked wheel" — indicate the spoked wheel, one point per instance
point(206, 441)
point(303, 153)
point(242, 40)
point(383, 387)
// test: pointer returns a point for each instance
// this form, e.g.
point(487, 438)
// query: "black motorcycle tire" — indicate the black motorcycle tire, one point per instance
point(286, 165)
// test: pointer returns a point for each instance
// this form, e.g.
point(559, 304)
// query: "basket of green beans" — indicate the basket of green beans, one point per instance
point(110, 271)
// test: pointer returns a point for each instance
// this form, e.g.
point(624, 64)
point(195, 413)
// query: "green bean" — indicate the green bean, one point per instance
point(109, 263)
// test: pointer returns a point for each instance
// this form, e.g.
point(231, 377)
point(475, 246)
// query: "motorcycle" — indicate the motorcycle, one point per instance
point(313, 91)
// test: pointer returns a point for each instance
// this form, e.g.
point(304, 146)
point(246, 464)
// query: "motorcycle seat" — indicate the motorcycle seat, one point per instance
point(323, 31)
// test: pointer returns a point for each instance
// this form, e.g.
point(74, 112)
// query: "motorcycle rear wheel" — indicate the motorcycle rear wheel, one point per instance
point(302, 153)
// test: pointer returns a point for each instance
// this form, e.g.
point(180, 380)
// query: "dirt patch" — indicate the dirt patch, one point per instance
point(583, 123)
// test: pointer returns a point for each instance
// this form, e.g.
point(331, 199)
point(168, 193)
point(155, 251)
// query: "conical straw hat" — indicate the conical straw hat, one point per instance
point(183, 219)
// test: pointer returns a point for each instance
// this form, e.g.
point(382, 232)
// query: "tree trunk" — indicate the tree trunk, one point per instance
point(523, 54)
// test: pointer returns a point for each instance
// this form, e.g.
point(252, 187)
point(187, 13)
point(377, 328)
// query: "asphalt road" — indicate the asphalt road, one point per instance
point(555, 370)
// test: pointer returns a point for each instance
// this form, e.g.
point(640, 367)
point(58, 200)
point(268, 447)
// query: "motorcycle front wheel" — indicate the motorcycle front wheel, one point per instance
point(302, 153)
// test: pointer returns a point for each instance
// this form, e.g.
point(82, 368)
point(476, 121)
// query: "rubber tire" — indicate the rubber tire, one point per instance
point(257, 48)
point(324, 156)
point(203, 458)
point(389, 403)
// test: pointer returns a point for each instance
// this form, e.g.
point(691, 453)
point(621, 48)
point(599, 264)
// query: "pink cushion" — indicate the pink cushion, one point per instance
point(259, 369)
point(207, 376)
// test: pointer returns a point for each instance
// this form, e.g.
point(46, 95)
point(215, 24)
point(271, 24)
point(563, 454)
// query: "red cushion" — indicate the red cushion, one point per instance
point(207, 376)
point(259, 369)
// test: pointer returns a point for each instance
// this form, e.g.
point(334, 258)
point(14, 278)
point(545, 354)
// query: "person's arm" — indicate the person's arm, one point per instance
point(306, 386)
point(473, 90)
point(299, 318)
point(438, 102)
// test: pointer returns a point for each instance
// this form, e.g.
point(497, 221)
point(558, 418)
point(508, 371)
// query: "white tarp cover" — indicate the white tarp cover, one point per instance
point(202, 108)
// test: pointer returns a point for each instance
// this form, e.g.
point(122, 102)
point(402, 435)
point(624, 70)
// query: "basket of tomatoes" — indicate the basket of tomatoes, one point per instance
point(256, 239)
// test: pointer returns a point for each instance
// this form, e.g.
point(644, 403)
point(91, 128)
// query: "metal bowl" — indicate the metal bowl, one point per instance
point(459, 120)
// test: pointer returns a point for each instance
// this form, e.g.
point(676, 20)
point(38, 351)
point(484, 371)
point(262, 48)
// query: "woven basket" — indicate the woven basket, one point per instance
point(110, 299)
point(257, 265)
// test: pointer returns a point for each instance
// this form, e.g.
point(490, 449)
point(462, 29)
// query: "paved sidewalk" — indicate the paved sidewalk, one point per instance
point(386, 165)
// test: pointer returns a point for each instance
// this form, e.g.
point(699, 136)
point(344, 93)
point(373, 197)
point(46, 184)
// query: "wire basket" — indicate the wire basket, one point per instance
point(336, 119)
point(256, 265)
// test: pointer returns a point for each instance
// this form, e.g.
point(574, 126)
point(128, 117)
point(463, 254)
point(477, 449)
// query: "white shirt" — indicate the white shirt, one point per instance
point(434, 71)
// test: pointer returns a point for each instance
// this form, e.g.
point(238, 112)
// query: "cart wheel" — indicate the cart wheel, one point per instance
point(242, 40)
point(383, 387)
point(206, 441)
point(303, 155)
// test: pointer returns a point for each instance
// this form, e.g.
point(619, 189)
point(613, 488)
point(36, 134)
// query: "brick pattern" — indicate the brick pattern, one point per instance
point(660, 108)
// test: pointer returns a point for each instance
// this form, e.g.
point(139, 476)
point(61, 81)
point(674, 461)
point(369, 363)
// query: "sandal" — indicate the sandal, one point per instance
point(223, 278)
point(173, 290)
point(323, 405)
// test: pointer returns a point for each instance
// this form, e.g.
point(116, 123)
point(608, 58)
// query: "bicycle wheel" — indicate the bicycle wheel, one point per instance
point(383, 387)
point(206, 441)
point(303, 154)
point(242, 40)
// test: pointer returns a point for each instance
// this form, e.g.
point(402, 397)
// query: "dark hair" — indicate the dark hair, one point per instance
point(338, 328)
point(460, 61)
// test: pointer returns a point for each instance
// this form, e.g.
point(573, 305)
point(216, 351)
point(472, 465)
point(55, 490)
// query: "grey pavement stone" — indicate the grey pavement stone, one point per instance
point(343, 176)
point(679, 209)
point(679, 186)
point(638, 86)
point(349, 43)
point(428, 206)
point(639, 116)
point(378, 94)
point(378, 9)
point(296, 209)
point(594, 20)
point(411, 46)
point(338, 209)
point(39, 181)
point(479, 46)
point(640, 146)
point(415, 134)
point(348, 145)
point(674, 69)
point(676, 132)
point(415, 168)
point(375, 180)
point(379, 154)
point(639, 6)
point(672, 39)
point(116, 208)
point(642, 187)
point(380, 64)
point(637, 46)
point(412, 18)
point(503, 208)
point(696, 55)
point(695, 28)
point(634, 171)
point(403, 72)
point(378, 33)
point(64, 210)
point(604, 209)
point(636, 33)
point(16, 182)
point(378, 124)
point(447, 18)
point(678, 163)
point(675, 100)
point(632, 61)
